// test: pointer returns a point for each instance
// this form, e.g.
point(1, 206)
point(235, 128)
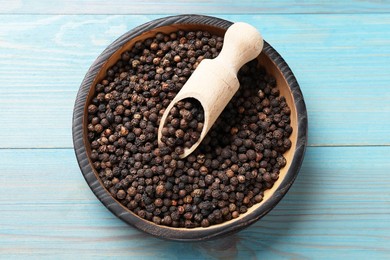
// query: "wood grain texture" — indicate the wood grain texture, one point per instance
point(338, 208)
point(342, 64)
point(192, 6)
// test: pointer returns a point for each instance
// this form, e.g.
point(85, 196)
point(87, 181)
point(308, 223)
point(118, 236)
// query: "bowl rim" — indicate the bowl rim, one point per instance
point(183, 234)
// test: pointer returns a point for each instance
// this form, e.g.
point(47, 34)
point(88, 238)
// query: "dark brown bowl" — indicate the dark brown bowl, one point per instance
point(269, 58)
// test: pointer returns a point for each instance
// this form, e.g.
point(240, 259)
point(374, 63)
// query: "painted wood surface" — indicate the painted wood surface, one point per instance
point(339, 206)
point(192, 6)
point(342, 64)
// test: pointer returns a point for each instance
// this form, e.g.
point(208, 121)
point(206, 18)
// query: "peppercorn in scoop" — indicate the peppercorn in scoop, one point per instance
point(183, 126)
point(238, 160)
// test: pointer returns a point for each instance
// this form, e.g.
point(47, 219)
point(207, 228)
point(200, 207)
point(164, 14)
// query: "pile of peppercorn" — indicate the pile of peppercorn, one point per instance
point(239, 158)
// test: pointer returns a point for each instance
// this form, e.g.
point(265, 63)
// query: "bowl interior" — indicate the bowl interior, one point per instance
point(264, 60)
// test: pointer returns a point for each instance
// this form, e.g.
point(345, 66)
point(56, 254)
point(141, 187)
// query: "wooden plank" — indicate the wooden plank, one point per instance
point(192, 6)
point(342, 63)
point(339, 207)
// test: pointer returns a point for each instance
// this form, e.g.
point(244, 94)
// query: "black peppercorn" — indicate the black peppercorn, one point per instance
point(239, 158)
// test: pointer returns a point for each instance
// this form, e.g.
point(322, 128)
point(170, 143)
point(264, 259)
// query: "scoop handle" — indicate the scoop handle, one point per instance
point(242, 43)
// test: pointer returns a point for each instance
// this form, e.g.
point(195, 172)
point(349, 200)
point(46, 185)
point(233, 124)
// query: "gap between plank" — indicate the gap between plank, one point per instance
point(214, 14)
point(314, 146)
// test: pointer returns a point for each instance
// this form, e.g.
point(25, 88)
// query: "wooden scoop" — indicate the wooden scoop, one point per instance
point(214, 82)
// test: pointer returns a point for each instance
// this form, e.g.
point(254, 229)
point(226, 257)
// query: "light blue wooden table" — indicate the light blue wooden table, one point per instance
point(339, 206)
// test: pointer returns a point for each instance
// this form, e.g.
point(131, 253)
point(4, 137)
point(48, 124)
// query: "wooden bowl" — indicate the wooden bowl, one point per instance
point(269, 58)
